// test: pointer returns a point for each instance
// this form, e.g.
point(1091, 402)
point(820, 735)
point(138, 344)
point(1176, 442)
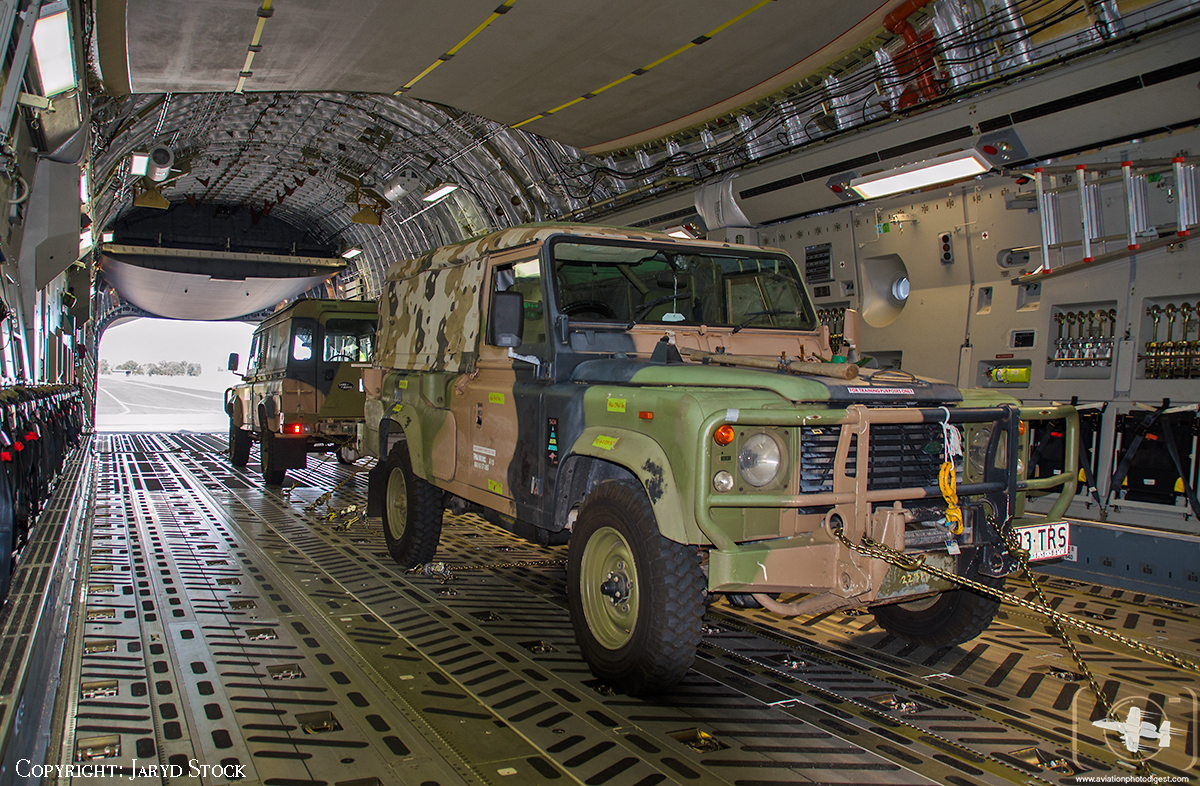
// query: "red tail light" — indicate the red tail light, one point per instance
point(296, 428)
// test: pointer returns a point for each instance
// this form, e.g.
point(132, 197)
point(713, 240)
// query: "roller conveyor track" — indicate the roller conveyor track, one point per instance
point(222, 624)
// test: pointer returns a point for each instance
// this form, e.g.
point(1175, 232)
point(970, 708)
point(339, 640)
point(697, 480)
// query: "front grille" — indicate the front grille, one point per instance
point(903, 455)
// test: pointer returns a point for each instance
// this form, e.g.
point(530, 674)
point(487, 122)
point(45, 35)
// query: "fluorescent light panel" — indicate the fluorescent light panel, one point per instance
point(443, 190)
point(351, 253)
point(52, 53)
point(138, 162)
point(922, 174)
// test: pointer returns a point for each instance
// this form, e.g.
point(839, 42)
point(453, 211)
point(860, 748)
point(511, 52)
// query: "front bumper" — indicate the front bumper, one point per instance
point(817, 560)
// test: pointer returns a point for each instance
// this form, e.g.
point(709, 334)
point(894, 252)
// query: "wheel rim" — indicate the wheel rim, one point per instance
point(920, 604)
point(397, 504)
point(609, 588)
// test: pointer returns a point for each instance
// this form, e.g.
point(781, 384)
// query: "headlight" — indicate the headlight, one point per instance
point(977, 445)
point(760, 459)
point(723, 481)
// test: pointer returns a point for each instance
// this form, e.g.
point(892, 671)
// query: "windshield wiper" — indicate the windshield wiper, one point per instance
point(753, 315)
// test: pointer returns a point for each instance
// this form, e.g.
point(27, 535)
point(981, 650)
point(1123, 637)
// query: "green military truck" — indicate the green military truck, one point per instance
point(669, 406)
point(302, 391)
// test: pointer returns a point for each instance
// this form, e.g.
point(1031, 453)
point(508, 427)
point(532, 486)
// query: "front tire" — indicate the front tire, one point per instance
point(272, 476)
point(636, 598)
point(946, 620)
point(412, 511)
point(239, 445)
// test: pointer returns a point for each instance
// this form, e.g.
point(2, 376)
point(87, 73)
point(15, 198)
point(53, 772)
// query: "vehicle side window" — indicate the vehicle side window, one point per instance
point(302, 342)
point(255, 348)
point(349, 340)
point(526, 278)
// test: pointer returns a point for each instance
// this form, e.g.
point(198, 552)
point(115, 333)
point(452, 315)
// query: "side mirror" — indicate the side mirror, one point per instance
point(507, 322)
point(850, 328)
point(233, 361)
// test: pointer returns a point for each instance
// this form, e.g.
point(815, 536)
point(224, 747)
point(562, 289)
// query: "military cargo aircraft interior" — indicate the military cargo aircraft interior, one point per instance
point(740, 393)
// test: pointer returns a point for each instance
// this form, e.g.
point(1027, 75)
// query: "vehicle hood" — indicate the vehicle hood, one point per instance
point(872, 386)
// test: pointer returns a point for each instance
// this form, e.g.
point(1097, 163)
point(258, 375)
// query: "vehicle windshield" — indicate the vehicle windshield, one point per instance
point(629, 284)
point(349, 340)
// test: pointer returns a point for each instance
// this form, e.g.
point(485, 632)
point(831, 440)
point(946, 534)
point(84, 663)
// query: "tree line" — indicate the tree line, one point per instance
point(165, 368)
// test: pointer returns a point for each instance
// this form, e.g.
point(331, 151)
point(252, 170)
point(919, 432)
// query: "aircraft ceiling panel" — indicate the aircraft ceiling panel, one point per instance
point(536, 57)
point(191, 296)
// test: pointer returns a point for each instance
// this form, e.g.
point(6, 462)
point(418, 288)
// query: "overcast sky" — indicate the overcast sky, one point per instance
point(156, 340)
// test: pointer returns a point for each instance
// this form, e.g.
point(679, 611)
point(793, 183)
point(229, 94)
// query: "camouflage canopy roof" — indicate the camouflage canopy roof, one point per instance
point(474, 248)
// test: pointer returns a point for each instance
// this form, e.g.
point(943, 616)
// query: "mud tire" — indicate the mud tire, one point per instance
point(412, 511)
point(650, 646)
point(239, 445)
point(946, 620)
point(272, 476)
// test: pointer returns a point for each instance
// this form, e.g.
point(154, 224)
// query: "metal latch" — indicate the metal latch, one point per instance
point(92, 748)
point(286, 671)
point(318, 722)
point(98, 689)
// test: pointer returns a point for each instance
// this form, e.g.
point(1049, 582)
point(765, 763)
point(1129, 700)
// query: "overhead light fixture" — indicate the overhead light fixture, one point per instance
point(351, 252)
point(106, 237)
point(138, 163)
point(912, 177)
point(443, 190)
point(52, 54)
point(681, 232)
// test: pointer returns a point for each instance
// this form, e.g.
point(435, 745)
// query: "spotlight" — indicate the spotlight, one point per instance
point(161, 159)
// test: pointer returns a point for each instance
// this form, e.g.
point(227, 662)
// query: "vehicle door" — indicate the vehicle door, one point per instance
point(347, 347)
point(242, 406)
point(498, 408)
point(299, 390)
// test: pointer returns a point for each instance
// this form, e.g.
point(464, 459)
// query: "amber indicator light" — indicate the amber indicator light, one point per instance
point(646, 415)
point(724, 435)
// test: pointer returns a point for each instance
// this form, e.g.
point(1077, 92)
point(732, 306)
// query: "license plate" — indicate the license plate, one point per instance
point(1045, 541)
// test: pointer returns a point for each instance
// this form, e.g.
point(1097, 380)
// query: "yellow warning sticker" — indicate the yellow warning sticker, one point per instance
point(402, 384)
point(495, 486)
point(616, 405)
point(495, 398)
point(397, 407)
point(605, 443)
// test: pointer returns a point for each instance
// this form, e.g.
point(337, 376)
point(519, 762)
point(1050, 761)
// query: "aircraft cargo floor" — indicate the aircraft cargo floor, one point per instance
point(217, 624)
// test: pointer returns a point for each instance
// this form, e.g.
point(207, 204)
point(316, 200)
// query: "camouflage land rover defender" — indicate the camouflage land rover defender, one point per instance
point(666, 405)
point(302, 391)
